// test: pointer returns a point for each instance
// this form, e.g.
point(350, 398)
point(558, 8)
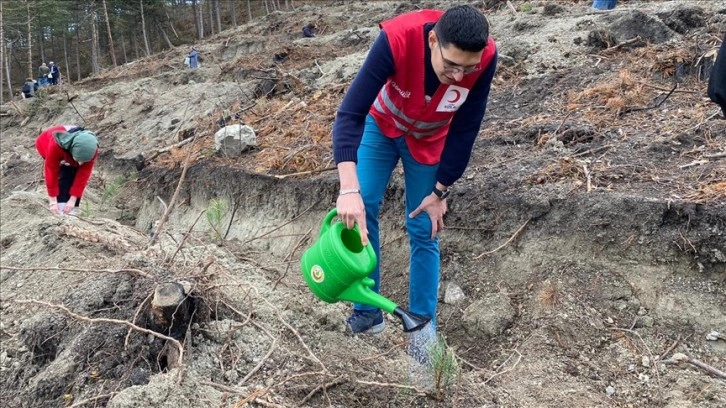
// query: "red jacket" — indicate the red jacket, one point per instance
point(53, 154)
point(401, 106)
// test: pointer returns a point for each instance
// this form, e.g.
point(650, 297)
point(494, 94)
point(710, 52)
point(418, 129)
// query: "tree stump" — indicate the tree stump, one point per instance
point(170, 310)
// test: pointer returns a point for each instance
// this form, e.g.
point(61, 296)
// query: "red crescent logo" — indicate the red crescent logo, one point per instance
point(457, 97)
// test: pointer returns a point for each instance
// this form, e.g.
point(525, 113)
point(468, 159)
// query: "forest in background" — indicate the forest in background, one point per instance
point(83, 37)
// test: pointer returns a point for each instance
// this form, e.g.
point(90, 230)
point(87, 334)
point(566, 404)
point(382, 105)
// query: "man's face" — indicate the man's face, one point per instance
point(451, 63)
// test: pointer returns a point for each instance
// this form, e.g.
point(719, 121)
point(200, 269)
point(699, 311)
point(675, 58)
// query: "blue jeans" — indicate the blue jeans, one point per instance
point(604, 4)
point(378, 156)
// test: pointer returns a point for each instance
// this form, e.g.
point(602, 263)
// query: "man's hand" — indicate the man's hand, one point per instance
point(54, 208)
point(351, 211)
point(435, 208)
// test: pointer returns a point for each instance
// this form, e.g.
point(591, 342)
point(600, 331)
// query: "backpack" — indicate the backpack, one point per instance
point(26, 88)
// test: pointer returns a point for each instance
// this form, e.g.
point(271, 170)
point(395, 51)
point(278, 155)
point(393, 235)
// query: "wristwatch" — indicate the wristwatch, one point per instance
point(441, 194)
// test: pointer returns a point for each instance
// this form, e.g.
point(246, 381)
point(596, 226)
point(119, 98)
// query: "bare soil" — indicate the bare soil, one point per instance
point(588, 235)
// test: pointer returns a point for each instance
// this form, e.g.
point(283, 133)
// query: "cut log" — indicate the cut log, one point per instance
point(170, 310)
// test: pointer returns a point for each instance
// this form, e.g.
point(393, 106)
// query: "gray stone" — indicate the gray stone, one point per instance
point(232, 140)
point(489, 316)
point(453, 294)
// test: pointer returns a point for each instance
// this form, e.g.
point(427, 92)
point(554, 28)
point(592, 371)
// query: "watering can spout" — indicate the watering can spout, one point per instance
point(411, 321)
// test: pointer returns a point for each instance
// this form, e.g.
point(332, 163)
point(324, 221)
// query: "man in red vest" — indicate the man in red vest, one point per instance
point(419, 98)
point(69, 153)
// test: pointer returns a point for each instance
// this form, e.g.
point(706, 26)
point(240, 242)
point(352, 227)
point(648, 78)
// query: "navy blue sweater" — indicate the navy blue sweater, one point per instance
point(717, 81)
point(377, 68)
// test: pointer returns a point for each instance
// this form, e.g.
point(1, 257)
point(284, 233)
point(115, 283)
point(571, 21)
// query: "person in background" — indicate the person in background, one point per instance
point(193, 58)
point(69, 153)
point(717, 80)
point(29, 88)
point(604, 4)
point(419, 98)
point(43, 72)
point(309, 30)
point(55, 74)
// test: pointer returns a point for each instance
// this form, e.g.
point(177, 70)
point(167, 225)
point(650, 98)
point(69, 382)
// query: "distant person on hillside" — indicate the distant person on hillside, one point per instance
point(419, 98)
point(717, 81)
point(69, 153)
point(43, 73)
point(309, 30)
point(193, 58)
point(604, 4)
point(29, 88)
point(55, 74)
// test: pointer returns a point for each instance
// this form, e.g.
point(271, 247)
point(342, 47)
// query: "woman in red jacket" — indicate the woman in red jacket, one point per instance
point(69, 153)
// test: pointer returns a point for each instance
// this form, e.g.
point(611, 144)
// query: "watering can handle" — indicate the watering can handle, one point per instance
point(326, 221)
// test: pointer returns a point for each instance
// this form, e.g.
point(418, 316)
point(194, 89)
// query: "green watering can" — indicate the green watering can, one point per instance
point(337, 266)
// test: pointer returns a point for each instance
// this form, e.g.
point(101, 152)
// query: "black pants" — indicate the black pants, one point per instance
point(65, 181)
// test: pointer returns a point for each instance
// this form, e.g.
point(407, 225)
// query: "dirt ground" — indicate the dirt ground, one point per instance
point(583, 263)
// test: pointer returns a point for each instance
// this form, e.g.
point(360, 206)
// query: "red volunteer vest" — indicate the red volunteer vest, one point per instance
point(401, 107)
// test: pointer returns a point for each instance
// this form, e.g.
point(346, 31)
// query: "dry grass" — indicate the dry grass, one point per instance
point(550, 296)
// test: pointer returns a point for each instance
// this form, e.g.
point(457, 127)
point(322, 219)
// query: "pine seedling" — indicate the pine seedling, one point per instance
point(444, 366)
point(215, 213)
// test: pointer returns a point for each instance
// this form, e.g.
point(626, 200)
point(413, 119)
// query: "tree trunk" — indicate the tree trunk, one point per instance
point(199, 17)
point(30, 41)
point(163, 34)
point(249, 11)
point(211, 17)
point(136, 45)
point(2, 58)
point(217, 17)
point(110, 37)
point(171, 24)
point(67, 76)
point(7, 72)
point(78, 54)
point(41, 41)
point(233, 12)
point(143, 29)
point(123, 49)
point(95, 66)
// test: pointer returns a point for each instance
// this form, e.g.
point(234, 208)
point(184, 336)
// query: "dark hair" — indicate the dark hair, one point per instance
point(465, 27)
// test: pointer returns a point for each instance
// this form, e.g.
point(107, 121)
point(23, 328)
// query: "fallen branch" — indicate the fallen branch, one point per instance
point(628, 110)
point(621, 45)
point(295, 332)
point(126, 323)
point(165, 216)
point(323, 387)
point(154, 153)
point(133, 320)
point(682, 358)
point(279, 226)
point(70, 100)
point(289, 256)
point(588, 177)
point(506, 243)
point(184, 239)
point(264, 359)
point(693, 163)
point(49, 268)
point(498, 373)
point(303, 173)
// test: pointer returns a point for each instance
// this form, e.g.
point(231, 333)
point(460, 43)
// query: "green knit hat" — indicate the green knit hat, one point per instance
point(81, 144)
